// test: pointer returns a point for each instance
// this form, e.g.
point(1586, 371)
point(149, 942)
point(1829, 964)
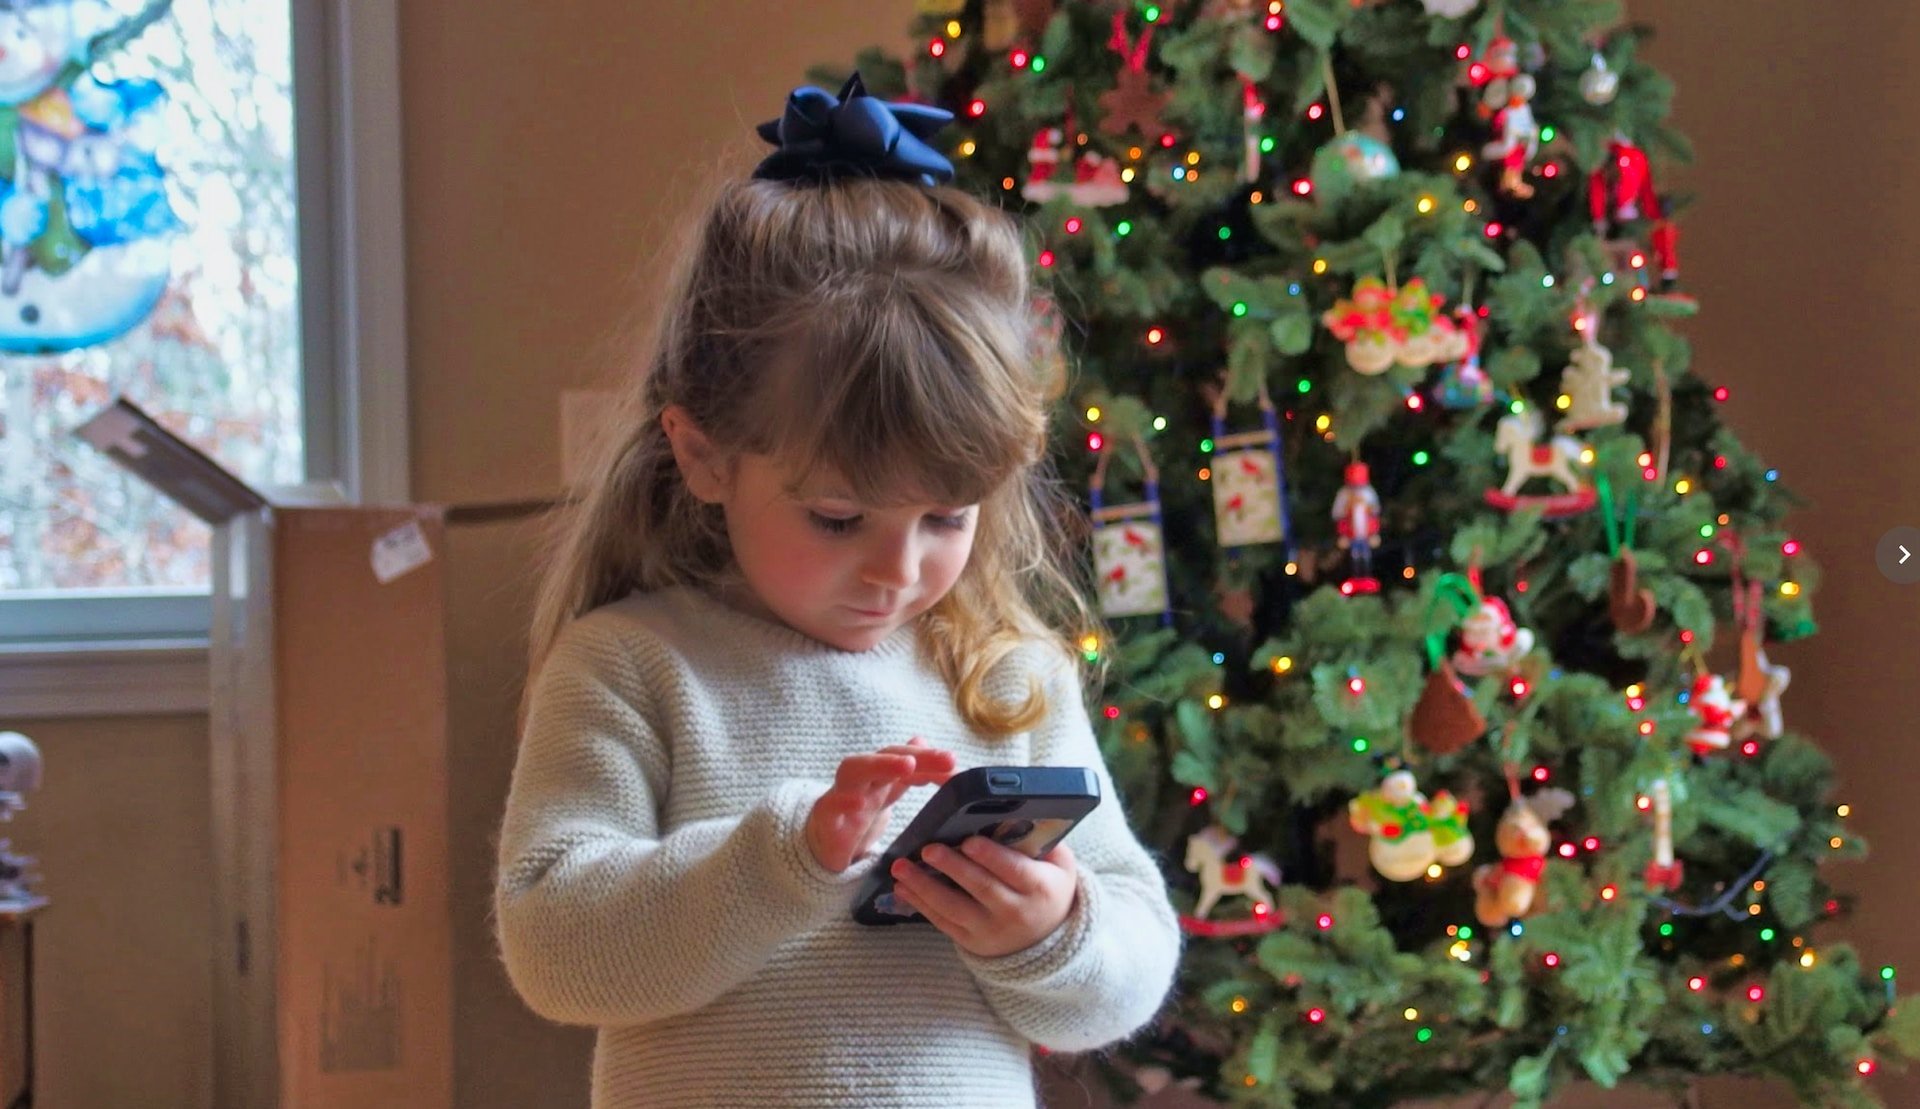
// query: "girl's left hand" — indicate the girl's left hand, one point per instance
point(1006, 902)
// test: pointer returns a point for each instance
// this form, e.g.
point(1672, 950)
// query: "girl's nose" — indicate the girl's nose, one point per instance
point(892, 563)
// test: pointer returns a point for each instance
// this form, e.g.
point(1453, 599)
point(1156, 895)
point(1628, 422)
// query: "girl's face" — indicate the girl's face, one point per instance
point(847, 574)
point(844, 573)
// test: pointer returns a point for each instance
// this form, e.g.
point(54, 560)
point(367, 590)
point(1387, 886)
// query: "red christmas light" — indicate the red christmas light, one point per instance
point(1315, 1015)
point(1551, 959)
point(977, 109)
point(1154, 335)
point(1539, 773)
point(1790, 547)
point(1046, 258)
point(1756, 993)
point(1302, 186)
point(1324, 921)
point(1356, 686)
point(1198, 796)
point(1721, 394)
point(1696, 983)
point(937, 48)
point(1095, 440)
point(1020, 59)
point(1073, 225)
point(1113, 712)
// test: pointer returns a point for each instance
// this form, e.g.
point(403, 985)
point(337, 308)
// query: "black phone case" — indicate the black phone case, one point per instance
point(979, 802)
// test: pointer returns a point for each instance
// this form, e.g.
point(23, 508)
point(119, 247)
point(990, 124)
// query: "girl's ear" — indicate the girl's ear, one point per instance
point(700, 462)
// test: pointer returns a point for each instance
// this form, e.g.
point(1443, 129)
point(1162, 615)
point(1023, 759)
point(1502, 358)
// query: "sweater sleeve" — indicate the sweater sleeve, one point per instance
point(1104, 973)
point(601, 918)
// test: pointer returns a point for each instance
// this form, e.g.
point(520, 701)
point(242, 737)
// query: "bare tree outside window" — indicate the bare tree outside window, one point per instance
point(217, 360)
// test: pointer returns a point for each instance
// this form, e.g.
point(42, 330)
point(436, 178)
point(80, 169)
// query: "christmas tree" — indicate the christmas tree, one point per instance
point(1439, 594)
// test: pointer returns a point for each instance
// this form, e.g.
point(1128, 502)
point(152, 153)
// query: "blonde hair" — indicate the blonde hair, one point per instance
point(881, 330)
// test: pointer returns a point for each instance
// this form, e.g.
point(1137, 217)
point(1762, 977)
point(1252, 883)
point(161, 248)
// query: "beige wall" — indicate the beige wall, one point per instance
point(550, 151)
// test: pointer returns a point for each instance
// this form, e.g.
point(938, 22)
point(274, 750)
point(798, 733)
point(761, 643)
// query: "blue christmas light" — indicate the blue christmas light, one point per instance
point(1773, 475)
point(1706, 1029)
point(1293, 289)
point(1516, 928)
point(1399, 114)
point(1218, 658)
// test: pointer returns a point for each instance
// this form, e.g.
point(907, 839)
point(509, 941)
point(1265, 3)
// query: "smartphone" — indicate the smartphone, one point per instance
point(1028, 808)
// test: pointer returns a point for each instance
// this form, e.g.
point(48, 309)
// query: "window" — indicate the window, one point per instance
point(238, 196)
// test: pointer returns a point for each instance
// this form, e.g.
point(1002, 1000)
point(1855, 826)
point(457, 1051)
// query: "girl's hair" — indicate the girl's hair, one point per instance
point(880, 329)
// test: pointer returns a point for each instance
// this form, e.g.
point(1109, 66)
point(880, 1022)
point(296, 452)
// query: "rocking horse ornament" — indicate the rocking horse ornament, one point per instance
point(1516, 437)
point(1210, 855)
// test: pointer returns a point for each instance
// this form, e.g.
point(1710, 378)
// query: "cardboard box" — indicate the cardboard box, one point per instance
point(332, 961)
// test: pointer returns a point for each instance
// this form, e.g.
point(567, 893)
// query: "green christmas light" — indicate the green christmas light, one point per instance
point(1239, 307)
point(1546, 133)
point(1886, 974)
point(1206, 446)
point(1466, 932)
point(1766, 935)
point(1152, 13)
point(1423, 1035)
point(1706, 531)
point(1266, 144)
point(1225, 234)
point(1305, 386)
point(1517, 407)
point(1124, 229)
point(1666, 929)
point(1360, 745)
point(1421, 458)
point(1039, 63)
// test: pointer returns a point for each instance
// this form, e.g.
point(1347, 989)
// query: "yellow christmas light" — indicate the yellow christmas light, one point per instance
point(954, 28)
point(1093, 415)
point(1425, 205)
point(1216, 702)
point(1319, 265)
point(1090, 643)
point(1789, 589)
point(1683, 487)
point(1463, 163)
point(1283, 664)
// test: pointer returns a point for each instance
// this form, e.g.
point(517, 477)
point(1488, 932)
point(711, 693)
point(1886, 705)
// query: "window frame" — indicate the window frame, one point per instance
point(140, 651)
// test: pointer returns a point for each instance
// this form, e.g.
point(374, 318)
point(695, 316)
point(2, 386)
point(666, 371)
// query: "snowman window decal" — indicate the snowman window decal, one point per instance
point(86, 225)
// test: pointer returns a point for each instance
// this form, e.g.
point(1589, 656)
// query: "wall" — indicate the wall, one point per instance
point(551, 152)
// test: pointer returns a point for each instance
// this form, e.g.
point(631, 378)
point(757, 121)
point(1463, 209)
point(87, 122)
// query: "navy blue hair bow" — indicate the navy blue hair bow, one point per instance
point(822, 136)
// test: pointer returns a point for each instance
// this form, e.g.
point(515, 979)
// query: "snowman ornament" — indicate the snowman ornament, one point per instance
point(1490, 641)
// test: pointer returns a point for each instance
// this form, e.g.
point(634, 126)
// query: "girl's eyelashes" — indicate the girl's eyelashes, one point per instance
point(843, 525)
point(833, 525)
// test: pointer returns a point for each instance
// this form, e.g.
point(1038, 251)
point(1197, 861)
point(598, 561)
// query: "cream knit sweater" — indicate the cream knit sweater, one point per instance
point(655, 881)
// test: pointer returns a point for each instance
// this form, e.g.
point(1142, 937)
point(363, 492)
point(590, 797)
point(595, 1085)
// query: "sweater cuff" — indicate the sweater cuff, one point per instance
point(790, 803)
point(1052, 956)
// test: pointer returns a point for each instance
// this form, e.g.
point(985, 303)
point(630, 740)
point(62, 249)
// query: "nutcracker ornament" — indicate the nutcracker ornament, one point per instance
point(1356, 519)
point(1717, 711)
point(1408, 833)
point(1621, 190)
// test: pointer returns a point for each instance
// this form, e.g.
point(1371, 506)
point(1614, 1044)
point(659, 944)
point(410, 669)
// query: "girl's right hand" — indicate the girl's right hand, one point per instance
point(850, 816)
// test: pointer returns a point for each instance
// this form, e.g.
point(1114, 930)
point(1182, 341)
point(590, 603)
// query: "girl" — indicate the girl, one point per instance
point(812, 583)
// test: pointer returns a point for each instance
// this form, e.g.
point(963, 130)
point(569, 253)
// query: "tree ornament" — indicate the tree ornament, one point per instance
point(1132, 104)
point(1129, 546)
point(1362, 154)
point(1504, 891)
point(1765, 710)
point(1249, 476)
point(1356, 518)
point(1599, 84)
point(1621, 190)
point(1589, 381)
point(1463, 384)
point(1717, 710)
point(1519, 137)
point(1631, 607)
point(1382, 326)
point(1210, 855)
point(1490, 641)
point(1492, 73)
point(1664, 872)
point(1516, 436)
point(1252, 111)
point(1409, 833)
point(1449, 9)
point(1445, 719)
point(1044, 179)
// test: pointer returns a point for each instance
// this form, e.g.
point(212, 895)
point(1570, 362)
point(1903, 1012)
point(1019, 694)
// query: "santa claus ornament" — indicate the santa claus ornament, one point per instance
point(1518, 137)
point(1490, 641)
point(1620, 191)
point(1717, 710)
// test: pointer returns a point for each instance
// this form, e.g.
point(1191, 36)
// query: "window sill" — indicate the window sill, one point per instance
point(157, 677)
